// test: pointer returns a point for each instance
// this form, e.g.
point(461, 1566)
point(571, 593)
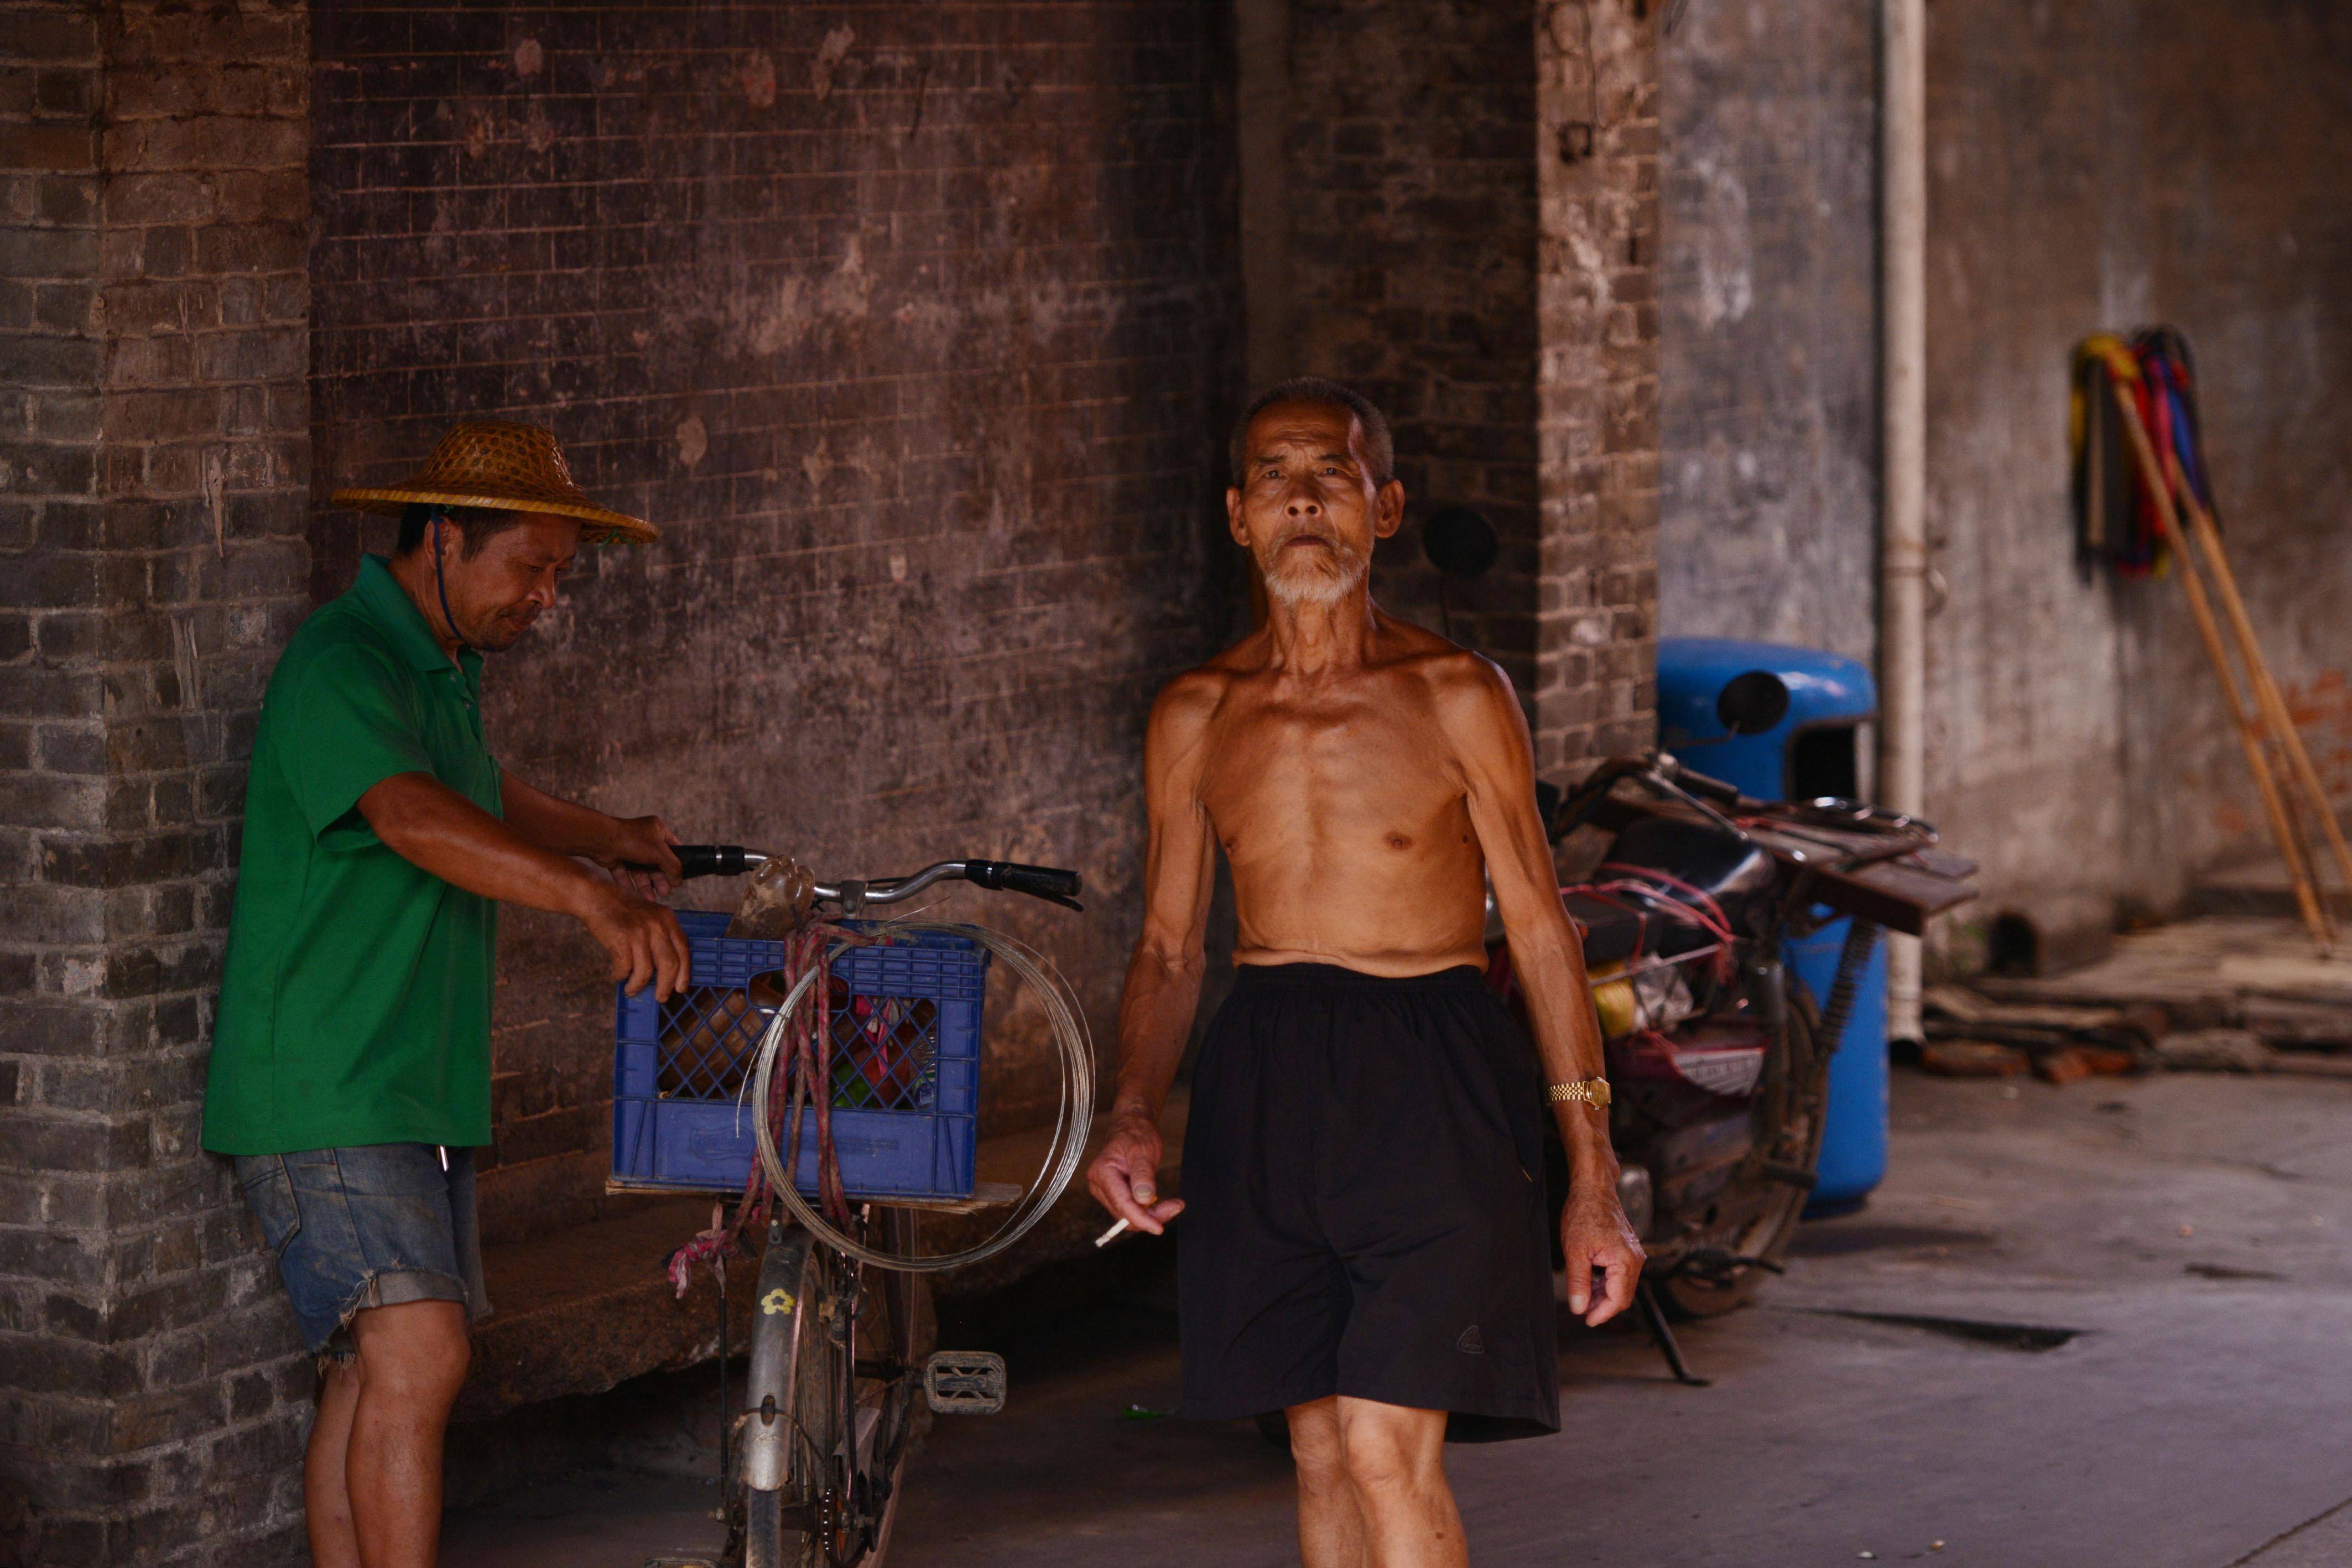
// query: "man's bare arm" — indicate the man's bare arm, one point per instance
point(1163, 978)
point(1497, 761)
point(434, 828)
point(636, 849)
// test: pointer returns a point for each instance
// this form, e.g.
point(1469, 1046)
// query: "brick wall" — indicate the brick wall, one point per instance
point(150, 515)
point(910, 325)
point(1454, 209)
point(915, 326)
point(1408, 166)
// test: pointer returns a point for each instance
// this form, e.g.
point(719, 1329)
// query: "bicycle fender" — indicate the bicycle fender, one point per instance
point(767, 1419)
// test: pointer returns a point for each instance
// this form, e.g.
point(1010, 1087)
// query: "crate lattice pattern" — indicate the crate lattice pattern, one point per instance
point(883, 1048)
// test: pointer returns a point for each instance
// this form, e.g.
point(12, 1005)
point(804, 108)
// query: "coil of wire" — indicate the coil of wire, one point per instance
point(1073, 1120)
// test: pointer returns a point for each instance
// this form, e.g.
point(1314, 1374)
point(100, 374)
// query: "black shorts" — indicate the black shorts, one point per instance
point(1364, 1204)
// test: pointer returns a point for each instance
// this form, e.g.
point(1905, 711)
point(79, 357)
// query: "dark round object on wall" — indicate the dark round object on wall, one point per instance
point(1753, 703)
point(1460, 543)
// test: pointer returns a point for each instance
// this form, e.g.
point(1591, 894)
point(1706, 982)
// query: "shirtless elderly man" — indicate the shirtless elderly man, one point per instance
point(1364, 1161)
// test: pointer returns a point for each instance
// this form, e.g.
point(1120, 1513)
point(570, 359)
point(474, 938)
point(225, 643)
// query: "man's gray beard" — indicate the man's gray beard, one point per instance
point(1306, 586)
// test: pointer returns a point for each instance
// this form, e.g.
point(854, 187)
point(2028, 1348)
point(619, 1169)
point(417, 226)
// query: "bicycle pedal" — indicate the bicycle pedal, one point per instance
point(964, 1381)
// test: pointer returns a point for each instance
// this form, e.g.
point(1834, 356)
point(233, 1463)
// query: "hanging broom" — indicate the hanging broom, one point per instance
point(2139, 466)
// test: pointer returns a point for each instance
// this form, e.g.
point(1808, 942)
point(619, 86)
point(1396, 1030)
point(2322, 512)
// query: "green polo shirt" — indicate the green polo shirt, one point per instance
point(355, 999)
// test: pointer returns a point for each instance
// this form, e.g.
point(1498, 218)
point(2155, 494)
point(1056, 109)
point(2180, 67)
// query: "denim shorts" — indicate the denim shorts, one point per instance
point(369, 1226)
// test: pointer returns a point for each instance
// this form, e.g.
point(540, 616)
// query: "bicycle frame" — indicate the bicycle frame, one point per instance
point(816, 1461)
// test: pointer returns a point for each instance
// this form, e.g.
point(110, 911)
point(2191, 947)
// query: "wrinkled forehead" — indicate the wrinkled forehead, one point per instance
point(1312, 427)
point(540, 538)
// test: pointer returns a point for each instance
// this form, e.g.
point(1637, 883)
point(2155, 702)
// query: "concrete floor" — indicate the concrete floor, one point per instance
point(2193, 1232)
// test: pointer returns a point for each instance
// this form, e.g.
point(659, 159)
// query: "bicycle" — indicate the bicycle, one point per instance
point(843, 1339)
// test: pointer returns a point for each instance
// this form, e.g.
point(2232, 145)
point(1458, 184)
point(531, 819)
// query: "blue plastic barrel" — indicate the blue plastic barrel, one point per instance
point(1853, 1135)
point(1827, 693)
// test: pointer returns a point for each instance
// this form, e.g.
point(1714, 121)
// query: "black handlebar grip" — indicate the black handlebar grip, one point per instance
point(710, 860)
point(1699, 784)
point(1037, 881)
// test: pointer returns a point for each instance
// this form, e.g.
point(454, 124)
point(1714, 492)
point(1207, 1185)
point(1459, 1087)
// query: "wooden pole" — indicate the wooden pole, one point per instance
point(2249, 731)
point(2266, 692)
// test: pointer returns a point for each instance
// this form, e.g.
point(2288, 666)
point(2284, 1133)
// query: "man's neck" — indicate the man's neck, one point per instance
point(1312, 639)
point(413, 572)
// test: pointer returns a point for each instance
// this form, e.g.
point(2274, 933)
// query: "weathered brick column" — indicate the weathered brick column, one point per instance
point(1595, 690)
point(152, 331)
point(1453, 204)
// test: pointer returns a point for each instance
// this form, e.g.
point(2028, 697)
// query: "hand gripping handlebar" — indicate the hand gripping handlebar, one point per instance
point(717, 860)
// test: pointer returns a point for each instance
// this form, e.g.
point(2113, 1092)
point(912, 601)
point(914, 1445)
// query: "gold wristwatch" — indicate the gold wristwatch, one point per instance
point(1592, 1092)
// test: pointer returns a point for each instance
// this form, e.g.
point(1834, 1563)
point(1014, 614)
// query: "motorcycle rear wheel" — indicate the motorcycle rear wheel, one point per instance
point(1756, 1215)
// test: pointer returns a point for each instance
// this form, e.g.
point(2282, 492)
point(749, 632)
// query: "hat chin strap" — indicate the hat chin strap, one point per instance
point(441, 587)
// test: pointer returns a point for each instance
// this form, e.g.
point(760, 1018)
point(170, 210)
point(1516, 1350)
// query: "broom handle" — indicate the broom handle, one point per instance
point(2250, 733)
point(2266, 692)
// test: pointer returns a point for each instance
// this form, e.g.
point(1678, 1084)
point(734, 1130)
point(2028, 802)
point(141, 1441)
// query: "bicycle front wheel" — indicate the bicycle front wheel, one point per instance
point(793, 1455)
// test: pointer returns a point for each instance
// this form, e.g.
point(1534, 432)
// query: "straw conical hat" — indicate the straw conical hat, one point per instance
point(512, 467)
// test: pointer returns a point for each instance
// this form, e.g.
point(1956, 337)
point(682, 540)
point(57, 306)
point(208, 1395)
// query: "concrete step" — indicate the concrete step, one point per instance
point(583, 1309)
point(579, 1310)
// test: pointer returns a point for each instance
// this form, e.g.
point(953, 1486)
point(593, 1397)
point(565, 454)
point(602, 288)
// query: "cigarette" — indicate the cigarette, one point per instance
point(1107, 1236)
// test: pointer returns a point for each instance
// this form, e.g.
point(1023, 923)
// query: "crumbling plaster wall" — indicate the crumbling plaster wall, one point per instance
point(2091, 166)
point(1770, 405)
point(911, 325)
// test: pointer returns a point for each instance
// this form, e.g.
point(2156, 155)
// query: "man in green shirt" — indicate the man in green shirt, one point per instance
point(350, 1066)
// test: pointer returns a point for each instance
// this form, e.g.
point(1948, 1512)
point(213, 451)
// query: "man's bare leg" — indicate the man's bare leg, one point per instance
point(412, 1362)
point(326, 1488)
point(1331, 1525)
point(1395, 1460)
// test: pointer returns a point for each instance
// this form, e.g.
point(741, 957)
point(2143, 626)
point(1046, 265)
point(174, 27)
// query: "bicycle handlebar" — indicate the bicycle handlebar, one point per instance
point(1698, 783)
point(1048, 883)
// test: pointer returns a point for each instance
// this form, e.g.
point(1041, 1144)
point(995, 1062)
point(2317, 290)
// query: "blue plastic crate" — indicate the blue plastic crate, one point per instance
point(905, 1018)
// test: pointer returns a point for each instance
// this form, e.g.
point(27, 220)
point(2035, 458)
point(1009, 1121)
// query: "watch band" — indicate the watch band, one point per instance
point(1592, 1092)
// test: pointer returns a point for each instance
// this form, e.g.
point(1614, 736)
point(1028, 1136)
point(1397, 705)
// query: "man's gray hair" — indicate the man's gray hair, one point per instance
point(1378, 445)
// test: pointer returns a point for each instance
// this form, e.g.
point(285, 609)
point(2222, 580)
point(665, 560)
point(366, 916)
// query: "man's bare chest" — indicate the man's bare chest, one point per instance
point(1366, 772)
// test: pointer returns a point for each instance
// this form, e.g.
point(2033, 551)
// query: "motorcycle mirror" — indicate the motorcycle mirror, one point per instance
point(1753, 703)
point(1460, 543)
